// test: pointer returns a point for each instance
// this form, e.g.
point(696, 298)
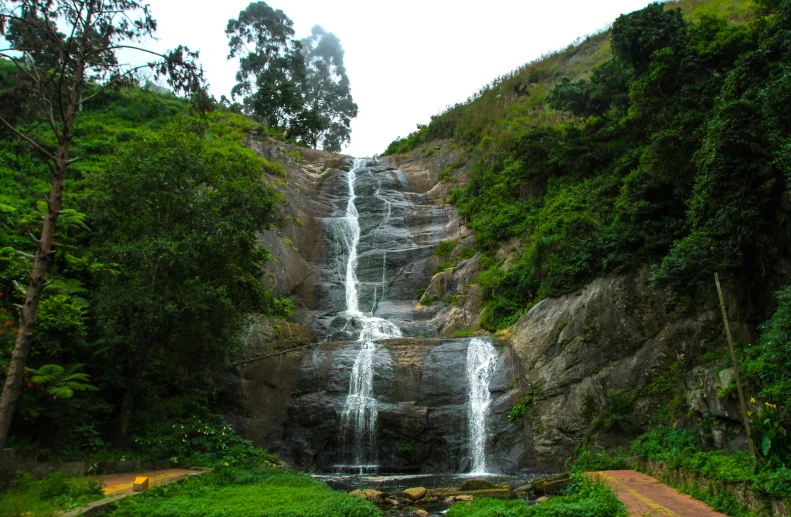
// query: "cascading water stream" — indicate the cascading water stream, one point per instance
point(481, 358)
point(358, 422)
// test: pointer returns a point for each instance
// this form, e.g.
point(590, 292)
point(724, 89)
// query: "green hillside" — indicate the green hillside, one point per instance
point(602, 157)
point(662, 142)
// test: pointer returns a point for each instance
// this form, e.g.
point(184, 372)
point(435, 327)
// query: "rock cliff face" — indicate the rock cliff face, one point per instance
point(602, 361)
point(595, 365)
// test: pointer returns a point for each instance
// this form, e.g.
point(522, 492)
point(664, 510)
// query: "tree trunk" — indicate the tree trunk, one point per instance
point(129, 400)
point(24, 339)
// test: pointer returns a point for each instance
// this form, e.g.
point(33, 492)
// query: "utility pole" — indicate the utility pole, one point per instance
point(742, 401)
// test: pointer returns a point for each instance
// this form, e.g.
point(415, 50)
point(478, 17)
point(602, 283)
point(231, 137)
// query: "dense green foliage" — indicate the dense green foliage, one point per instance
point(679, 449)
point(672, 152)
point(155, 267)
point(252, 492)
point(585, 499)
point(767, 363)
point(42, 498)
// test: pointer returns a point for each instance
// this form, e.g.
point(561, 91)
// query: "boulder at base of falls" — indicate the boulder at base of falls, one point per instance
point(421, 513)
point(415, 493)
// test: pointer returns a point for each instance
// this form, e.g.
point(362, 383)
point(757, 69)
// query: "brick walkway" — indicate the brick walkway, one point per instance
point(644, 496)
point(115, 484)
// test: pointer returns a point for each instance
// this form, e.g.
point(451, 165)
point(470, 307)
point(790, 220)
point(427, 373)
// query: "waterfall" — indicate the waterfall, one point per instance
point(358, 422)
point(481, 358)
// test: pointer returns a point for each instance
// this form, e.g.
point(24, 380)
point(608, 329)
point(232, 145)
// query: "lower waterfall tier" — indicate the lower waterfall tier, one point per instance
point(421, 388)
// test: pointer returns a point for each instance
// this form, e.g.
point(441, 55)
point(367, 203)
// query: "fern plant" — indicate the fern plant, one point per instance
point(59, 381)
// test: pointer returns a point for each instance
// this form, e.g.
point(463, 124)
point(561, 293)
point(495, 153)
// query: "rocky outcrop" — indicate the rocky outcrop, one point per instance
point(603, 360)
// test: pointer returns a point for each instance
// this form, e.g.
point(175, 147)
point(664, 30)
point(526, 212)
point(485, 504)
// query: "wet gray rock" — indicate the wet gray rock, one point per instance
point(612, 338)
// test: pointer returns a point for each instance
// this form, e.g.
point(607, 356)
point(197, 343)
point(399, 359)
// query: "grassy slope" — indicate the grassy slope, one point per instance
point(520, 96)
point(566, 228)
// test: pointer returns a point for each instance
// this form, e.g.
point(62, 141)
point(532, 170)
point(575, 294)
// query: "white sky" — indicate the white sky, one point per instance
point(406, 59)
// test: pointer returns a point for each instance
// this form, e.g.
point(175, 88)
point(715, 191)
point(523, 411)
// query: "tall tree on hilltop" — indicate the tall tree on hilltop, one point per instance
point(329, 106)
point(270, 73)
point(65, 53)
point(301, 87)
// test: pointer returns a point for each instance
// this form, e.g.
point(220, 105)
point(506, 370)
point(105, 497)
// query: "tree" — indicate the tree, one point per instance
point(177, 221)
point(271, 73)
point(65, 54)
point(329, 106)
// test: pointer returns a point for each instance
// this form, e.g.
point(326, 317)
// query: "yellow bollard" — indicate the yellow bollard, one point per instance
point(141, 484)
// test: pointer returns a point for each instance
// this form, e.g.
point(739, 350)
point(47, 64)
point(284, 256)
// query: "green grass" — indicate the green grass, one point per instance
point(586, 499)
point(246, 493)
point(42, 498)
point(735, 11)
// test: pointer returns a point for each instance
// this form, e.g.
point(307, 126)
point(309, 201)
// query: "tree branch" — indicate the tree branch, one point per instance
point(27, 139)
point(19, 288)
point(113, 81)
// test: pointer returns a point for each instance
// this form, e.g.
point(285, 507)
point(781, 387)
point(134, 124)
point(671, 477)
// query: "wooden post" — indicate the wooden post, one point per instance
point(742, 401)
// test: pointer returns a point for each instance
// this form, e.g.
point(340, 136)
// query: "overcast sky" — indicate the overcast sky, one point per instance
point(406, 59)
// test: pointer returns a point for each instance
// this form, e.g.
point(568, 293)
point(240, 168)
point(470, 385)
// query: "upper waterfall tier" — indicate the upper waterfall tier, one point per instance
point(392, 235)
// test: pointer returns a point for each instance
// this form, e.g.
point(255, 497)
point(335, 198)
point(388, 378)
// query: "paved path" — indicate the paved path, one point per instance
point(115, 484)
point(644, 496)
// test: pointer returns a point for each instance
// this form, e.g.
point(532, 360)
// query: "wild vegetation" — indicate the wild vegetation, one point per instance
point(155, 262)
point(632, 163)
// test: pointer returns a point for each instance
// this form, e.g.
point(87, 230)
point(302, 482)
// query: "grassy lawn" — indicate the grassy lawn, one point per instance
point(246, 493)
point(42, 498)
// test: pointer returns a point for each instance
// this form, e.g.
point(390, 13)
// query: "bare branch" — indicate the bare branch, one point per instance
point(114, 81)
point(23, 254)
point(20, 288)
point(28, 139)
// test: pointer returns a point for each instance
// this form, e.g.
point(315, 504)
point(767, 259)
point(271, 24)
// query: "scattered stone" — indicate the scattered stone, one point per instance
point(421, 513)
point(415, 493)
point(464, 498)
point(392, 501)
point(369, 494)
point(476, 484)
point(542, 499)
point(450, 500)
